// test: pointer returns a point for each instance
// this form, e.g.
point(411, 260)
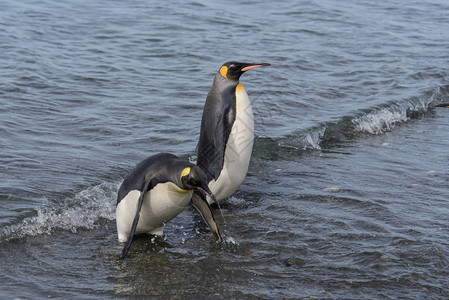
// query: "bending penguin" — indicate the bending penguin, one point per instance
point(227, 132)
point(155, 192)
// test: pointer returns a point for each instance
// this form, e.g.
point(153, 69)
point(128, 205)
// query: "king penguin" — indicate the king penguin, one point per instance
point(156, 191)
point(227, 131)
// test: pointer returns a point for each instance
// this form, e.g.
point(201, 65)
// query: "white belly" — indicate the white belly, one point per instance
point(164, 202)
point(238, 149)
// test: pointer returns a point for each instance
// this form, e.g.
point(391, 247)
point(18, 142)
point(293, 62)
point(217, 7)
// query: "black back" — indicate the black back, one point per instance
point(218, 117)
point(159, 167)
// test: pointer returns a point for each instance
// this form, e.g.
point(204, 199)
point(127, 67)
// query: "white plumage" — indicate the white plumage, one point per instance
point(238, 149)
point(161, 204)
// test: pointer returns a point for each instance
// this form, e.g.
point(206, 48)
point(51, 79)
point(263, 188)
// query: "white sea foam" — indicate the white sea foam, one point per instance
point(385, 119)
point(230, 240)
point(313, 139)
point(237, 202)
point(309, 139)
point(84, 210)
point(380, 121)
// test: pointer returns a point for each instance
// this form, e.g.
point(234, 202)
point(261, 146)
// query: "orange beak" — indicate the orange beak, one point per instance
point(253, 66)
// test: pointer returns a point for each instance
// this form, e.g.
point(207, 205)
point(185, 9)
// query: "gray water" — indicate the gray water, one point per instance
point(347, 192)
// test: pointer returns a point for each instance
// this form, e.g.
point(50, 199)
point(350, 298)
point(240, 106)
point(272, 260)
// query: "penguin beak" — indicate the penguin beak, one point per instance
point(253, 66)
point(442, 105)
point(206, 192)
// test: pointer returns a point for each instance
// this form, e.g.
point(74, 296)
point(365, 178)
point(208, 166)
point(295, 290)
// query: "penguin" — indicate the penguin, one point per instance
point(227, 131)
point(156, 191)
point(442, 105)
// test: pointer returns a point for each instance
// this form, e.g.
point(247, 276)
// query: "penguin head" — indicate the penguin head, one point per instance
point(233, 70)
point(193, 178)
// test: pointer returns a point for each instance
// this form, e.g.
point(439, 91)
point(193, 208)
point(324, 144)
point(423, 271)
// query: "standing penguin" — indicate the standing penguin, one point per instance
point(155, 192)
point(227, 131)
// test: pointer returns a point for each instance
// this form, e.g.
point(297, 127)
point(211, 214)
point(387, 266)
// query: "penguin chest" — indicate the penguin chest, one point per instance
point(164, 202)
point(161, 204)
point(238, 148)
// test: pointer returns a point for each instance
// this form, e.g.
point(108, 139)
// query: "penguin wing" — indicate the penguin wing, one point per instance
point(212, 145)
point(144, 177)
point(221, 136)
point(148, 184)
point(218, 117)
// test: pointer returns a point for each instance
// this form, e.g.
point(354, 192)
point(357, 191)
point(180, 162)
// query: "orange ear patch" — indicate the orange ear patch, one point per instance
point(224, 71)
point(185, 172)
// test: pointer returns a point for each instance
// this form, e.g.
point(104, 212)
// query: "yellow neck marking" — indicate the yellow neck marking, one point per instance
point(224, 71)
point(240, 87)
point(182, 190)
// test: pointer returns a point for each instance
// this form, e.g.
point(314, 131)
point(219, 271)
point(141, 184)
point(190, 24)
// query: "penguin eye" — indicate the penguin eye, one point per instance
point(233, 67)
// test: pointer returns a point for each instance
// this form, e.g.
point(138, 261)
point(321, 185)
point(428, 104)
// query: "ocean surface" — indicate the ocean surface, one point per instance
point(347, 195)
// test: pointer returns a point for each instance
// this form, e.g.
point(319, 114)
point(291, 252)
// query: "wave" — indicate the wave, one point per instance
point(374, 121)
point(85, 210)
point(88, 208)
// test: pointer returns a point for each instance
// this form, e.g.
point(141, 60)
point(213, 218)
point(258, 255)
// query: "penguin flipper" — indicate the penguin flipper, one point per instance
point(200, 203)
point(145, 187)
point(221, 136)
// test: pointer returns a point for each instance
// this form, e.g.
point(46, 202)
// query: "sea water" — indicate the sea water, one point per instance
point(347, 191)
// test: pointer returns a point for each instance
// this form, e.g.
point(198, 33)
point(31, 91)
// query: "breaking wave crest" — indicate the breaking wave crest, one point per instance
point(84, 210)
point(373, 121)
point(380, 121)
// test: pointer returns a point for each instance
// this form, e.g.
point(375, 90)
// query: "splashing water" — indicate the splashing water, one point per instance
point(221, 212)
point(230, 240)
point(380, 121)
point(84, 210)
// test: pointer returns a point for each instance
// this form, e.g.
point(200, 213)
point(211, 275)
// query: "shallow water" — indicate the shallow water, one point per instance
point(346, 195)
